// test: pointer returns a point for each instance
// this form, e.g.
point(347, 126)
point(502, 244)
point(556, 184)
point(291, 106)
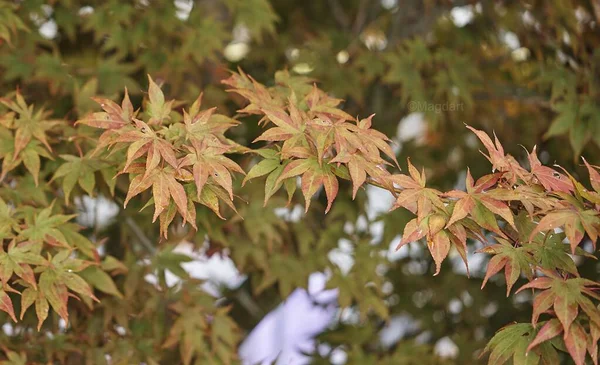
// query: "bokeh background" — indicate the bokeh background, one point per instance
point(527, 70)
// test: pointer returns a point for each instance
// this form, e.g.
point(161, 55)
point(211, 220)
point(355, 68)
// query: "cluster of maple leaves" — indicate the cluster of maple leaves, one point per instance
point(308, 141)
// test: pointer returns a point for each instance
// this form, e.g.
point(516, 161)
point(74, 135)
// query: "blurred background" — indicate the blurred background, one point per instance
point(527, 70)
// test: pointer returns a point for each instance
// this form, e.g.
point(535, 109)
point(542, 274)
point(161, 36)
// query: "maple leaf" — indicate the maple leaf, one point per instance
point(164, 188)
point(551, 179)
point(313, 177)
point(191, 330)
point(513, 341)
point(514, 261)
point(439, 246)
point(57, 279)
point(78, 170)
point(145, 141)
point(500, 161)
point(414, 196)
point(30, 296)
point(200, 125)
point(207, 160)
point(158, 109)
point(5, 301)
point(359, 167)
point(478, 204)
point(18, 260)
point(43, 227)
point(29, 156)
point(575, 222)
point(565, 296)
point(113, 117)
point(29, 125)
point(594, 175)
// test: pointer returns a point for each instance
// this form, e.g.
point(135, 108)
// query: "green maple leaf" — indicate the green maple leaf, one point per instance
point(78, 170)
point(17, 260)
point(8, 223)
point(44, 227)
point(512, 341)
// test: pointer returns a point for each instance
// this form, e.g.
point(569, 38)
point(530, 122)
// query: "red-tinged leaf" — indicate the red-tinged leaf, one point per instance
point(414, 173)
point(137, 185)
point(553, 220)
point(576, 341)
point(496, 264)
point(496, 152)
point(274, 134)
point(166, 151)
point(413, 231)
point(500, 161)
point(551, 179)
point(152, 159)
point(551, 329)
point(160, 193)
point(311, 181)
point(439, 247)
point(485, 182)
point(26, 273)
point(404, 181)
point(6, 304)
point(220, 175)
point(358, 176)
point(177, 192)
point(594, 175)
point(566, 310)
point(200, 173)
point(330, 183)
point(512, 271)
point(541, 303)
point(280, 118)
point(461, 209)
point(499, 208)
point(593, 344)
point(408, 199)
point(537, 283)
point(574, 231)
point(101, 120)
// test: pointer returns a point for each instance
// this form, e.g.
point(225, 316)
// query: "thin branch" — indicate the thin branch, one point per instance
point(249, 304)
point(144, 240)
point(337, 10)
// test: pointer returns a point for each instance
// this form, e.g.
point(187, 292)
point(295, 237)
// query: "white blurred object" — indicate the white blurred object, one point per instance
point(342, 57)
point(413, 126)
point(288, 331)
point(462, 15)
point(184, 8)
point(217, 271)
point(446, 348)
point(235, 52)
point(98, 211)
point(389, 4)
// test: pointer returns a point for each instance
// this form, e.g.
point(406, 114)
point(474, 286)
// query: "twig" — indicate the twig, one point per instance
point(144, 240)
point(249, 304)
point(339, 14)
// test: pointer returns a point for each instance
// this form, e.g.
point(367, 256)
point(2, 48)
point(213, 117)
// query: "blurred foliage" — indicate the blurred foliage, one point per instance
point(526, 70)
